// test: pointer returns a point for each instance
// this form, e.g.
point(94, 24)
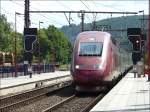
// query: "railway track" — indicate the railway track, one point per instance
point(61, 100)
point(46, 100)
point(14, 101)
point(58, 104)
point(75, 104)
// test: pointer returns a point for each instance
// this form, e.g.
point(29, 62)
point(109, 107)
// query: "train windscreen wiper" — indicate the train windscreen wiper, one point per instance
point(89, 55)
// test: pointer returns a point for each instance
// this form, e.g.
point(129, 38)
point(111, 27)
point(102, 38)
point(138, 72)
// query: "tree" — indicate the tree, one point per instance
point(5, 30)
point(7, 38)
point(54, 45)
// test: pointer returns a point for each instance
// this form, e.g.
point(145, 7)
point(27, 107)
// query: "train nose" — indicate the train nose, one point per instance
point(89, 67)
point(88, 77)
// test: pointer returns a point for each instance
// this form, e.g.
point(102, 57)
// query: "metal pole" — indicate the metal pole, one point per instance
point(15, 45)
point(82, 21)
point(27, 16)
point(39, 47)
point(26, 25)
point(106, 12)
point(143, 22)
point(149, 45)
point(39, 52)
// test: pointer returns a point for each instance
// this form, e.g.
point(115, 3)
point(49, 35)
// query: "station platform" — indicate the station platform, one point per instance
point(21, 83)
point(129, 95)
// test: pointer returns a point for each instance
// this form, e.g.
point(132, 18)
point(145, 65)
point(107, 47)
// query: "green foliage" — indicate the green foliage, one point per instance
point(5, 30)
point(123, 22)
point(52, 42)
point(7, 38)
point(54, 45)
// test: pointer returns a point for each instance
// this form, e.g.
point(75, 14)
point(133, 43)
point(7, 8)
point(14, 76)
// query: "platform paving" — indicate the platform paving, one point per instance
point(129, 95)
point(22, 83)
point(11, 81)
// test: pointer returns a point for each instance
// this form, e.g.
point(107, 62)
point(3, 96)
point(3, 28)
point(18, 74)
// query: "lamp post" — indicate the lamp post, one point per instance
point(15, 53)
point(39, 52)
point(149, 43)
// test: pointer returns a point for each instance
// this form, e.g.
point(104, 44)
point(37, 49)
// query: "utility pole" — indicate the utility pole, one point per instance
point(149, 45)
point(15, 45)
point(82, 20)
point(39, 52)
point(26, 25)
point(94, 25)
point(142, 20)
point(27, 16)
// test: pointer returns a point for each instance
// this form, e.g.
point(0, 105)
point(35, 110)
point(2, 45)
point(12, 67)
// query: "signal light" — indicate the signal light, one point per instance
point(137, 45)
point(29, 41)
point(30, 37)
point(137, 41)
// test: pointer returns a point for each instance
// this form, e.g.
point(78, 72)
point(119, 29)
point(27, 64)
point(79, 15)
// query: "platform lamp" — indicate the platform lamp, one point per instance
point(39, 52)
point(143, 36)
point(142, 20)
point(16, 13)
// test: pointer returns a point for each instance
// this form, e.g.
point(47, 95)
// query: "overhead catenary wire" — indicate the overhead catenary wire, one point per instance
point(108, 6)
point(39, 14)
point(48, 18)
point(11, 14)
point(87, 8)
point(85, 5)
point(57, 14)
point(93, 23)
point(67, 8)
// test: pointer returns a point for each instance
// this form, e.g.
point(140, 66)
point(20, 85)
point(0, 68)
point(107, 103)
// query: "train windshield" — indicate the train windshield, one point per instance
point(90, 49)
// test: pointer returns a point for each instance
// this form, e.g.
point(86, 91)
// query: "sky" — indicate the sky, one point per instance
point(9, 7)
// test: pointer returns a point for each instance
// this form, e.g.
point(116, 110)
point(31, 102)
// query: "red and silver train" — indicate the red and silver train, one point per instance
point(96, 61)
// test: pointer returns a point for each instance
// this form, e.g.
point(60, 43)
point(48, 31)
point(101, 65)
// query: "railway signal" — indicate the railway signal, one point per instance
point(29, 41)
point(134, 35)
point(137, 44)
point(30, 37)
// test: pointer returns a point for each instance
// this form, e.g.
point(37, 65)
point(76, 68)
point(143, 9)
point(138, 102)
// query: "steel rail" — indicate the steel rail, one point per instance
point(58, 104)
point(31, 98)
point(33, 90)
point(45, 80)
point(94, 102)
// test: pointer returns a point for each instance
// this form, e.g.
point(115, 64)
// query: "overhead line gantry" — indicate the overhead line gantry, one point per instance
point(83, 14)
point(83, 11)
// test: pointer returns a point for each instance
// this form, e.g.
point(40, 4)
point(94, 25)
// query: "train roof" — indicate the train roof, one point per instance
point(99, 35)
point(94, 32)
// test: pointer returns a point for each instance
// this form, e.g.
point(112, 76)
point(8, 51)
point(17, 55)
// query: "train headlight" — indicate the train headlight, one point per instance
point(97, 66)
point(80, 66)
point(77, 66)
point(146, 67)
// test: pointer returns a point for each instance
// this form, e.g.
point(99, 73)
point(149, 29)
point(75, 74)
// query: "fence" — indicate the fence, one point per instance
point(9, 71)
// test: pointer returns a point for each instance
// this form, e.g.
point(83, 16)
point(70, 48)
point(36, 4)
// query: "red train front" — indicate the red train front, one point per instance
point(93, 60)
